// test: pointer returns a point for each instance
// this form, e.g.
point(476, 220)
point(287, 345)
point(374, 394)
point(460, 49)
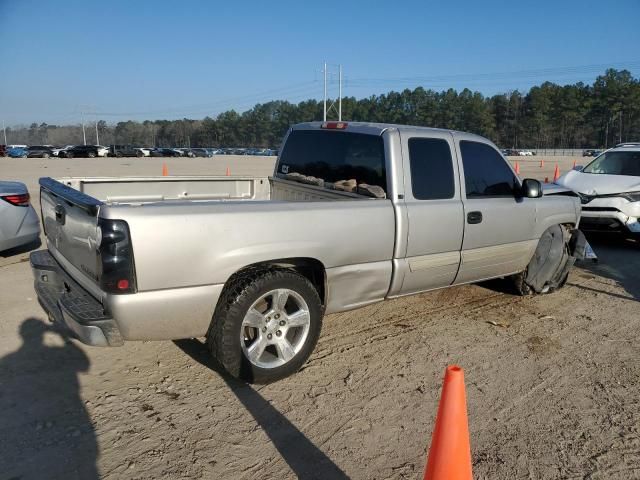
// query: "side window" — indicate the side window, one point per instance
point(431, 169)
point(486, 173)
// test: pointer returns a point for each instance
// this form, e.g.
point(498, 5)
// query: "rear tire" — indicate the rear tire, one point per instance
point(249, 311)
point(45, 155)
point(91, 155)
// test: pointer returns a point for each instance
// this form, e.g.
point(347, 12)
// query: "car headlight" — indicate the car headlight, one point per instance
point(631, 196)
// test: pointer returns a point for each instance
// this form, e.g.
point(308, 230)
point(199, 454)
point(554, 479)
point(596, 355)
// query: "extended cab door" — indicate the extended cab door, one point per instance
point(434, 208)
point(499, 225)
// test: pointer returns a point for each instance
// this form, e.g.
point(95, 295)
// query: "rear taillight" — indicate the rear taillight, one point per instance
point(115, 257)
point(21, 200)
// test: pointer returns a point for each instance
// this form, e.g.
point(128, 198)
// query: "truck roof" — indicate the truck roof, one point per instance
point(373, 128)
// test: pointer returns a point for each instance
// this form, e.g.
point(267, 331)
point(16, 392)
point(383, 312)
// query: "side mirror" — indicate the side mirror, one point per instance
point(531, 188)
point(578, 168)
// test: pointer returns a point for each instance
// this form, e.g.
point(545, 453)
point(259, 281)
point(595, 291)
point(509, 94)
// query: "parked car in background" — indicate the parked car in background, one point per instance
point(164, 152)
point(201, 152)
point(40, 151)
point(124, 151)
point(609, 188)
point(55, 151)
point(18, 152)
point(84, 151)
point(185, 152)
point(144, 151)
point(590, 153)
point(525, 153)
point(19, 223)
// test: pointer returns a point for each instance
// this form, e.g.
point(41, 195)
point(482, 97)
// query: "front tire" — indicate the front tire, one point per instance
point(266, 325)
point(549, 268)
point(91, 155)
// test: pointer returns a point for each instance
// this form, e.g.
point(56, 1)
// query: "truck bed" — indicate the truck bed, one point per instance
point(190, 234)
point(144, 190)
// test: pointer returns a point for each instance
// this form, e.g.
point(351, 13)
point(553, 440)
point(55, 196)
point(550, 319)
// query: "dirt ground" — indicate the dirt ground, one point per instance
point(553, 381)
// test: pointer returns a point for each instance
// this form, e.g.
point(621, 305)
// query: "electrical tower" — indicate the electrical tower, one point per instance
point(328, 75)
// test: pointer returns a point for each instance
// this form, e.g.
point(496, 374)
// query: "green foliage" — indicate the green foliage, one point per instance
point(548, 116)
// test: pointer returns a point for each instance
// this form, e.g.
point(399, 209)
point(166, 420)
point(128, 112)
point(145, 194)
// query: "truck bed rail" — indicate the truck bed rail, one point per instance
point(60, 190)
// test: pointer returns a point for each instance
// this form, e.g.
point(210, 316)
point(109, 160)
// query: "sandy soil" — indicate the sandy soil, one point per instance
point(553, 382)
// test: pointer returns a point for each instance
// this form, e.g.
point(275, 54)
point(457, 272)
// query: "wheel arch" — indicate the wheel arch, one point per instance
point(310, 268)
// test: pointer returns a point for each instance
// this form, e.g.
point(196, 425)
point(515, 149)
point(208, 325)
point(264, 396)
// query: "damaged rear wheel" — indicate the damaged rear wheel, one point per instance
point(549, 268)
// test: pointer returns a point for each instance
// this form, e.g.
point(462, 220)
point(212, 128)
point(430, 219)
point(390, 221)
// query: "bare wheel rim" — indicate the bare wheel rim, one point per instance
point(275, 328)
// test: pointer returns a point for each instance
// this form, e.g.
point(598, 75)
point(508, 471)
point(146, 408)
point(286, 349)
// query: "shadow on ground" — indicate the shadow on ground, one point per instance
point(305, 459)
point(45, 430)
point(615, 261)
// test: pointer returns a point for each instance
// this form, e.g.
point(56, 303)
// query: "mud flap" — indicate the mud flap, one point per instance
point(552, 259)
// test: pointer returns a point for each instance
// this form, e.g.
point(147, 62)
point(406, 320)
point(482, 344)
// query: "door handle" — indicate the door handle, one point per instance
point(474, 217)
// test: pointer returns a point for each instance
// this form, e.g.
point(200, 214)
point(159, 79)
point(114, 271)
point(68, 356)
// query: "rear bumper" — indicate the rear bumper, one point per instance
point(69, 304)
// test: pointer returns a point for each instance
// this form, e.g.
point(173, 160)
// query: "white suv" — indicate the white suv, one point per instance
point(609, 188)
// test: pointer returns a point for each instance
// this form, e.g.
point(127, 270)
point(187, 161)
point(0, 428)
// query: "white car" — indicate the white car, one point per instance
point(56, 151)
point(102, 151)
point(609, 188)
point(146, 152)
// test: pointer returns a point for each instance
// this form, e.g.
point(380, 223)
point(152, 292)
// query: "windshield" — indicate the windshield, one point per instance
point(334, 157)
point(616, 163)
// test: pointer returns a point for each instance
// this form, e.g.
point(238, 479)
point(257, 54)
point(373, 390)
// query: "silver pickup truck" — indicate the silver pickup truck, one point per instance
point(355, 213)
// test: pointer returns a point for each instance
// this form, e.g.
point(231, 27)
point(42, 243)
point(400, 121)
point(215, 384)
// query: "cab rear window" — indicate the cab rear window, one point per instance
point(334, 156)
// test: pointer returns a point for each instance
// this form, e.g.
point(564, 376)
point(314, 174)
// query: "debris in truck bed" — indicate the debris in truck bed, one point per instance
point(371, 191)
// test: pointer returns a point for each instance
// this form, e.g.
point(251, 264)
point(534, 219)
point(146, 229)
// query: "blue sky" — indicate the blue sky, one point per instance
point(172, 59)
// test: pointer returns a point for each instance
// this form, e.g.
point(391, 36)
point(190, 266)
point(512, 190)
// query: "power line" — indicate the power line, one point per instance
point(533, 73)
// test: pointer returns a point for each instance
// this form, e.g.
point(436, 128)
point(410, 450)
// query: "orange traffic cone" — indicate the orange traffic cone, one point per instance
point(165, 170)
point(228, 173)
point(574, 164)
point(556, 173)
point(517, 168)
point(450, 451)
point(541, 163)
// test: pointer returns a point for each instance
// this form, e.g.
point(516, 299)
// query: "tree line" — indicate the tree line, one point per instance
point(547, 116)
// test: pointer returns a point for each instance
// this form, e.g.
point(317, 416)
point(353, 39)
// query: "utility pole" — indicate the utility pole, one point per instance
point(327, 108)
point(97, 137)
point(84, 134)
point(324, 71)
point(620, 136)
point(340, 95)
point(4, 130)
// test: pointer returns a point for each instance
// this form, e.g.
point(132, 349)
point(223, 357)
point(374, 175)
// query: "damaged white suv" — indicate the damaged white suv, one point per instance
point(609, 188)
